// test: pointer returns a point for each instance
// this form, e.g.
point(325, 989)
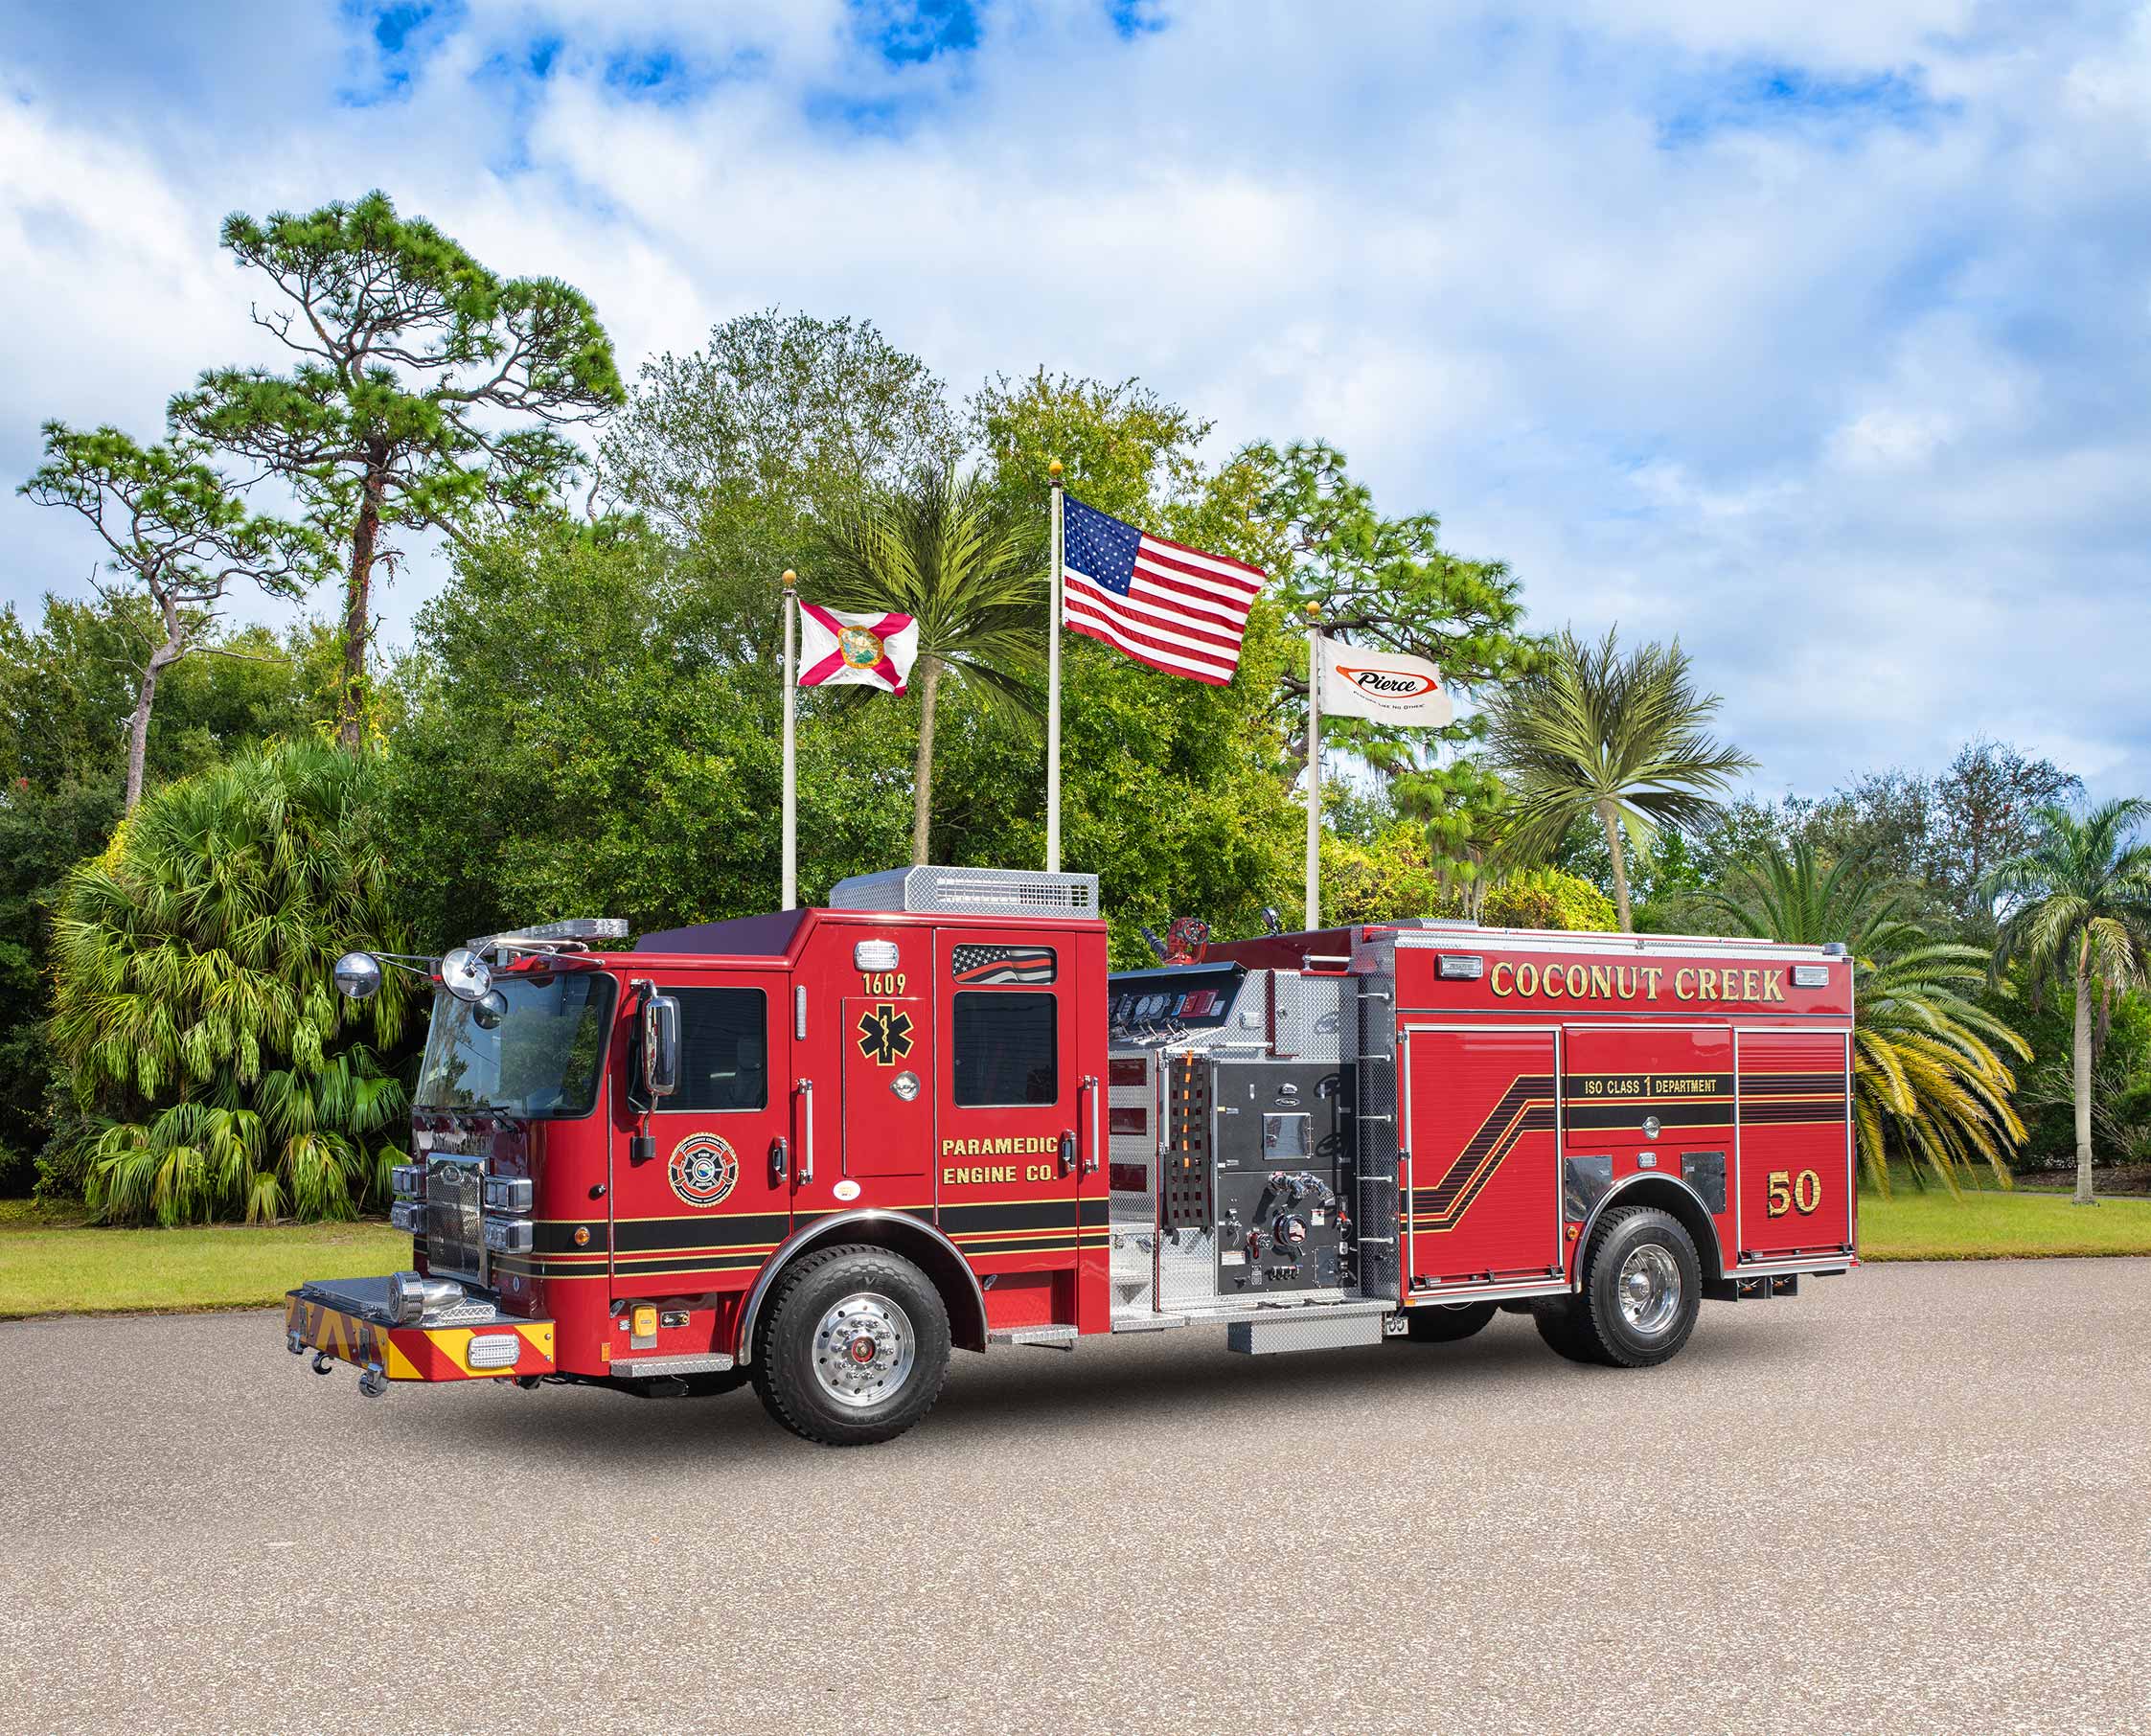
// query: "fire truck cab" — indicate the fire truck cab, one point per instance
point(821, 1149)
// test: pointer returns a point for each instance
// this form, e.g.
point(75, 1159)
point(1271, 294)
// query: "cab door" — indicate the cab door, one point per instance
point(1006, 1153)
point(714, 1199)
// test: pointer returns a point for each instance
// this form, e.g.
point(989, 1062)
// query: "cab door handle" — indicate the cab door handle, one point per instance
point(1068, 1152)
point(780, 1159)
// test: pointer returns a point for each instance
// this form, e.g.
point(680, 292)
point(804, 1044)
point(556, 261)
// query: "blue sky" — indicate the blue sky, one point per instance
point(1819, 335)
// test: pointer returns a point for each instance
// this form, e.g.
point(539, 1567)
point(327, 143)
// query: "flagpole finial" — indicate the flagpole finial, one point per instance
point(1313, 611)
point(791, 577)
point(1053, 468)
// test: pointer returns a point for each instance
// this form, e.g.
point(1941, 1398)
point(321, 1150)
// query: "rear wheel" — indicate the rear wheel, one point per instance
point(1448, 1322)
point(856, 1349)
point(1643, 1289)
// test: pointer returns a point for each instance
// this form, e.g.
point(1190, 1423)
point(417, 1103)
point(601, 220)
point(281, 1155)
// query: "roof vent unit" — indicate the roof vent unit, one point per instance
point(968, 892)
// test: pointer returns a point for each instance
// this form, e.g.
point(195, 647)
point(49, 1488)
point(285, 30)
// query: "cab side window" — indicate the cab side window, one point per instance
point(724, 1050)
point(1004, 1049)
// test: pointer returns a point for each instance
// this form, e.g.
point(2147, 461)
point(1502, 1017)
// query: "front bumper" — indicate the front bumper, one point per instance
point(347, 1321)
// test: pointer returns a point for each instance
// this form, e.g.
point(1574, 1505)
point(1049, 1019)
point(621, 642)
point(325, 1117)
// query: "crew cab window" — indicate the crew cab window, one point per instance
point(1004, 1049)
point(724, 1050)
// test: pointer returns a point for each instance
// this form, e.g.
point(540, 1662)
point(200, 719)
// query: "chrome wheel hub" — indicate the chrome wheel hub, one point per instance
point(863, 1350)
point(1649, 1290)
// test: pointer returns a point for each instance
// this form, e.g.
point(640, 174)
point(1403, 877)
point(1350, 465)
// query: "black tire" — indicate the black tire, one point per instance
point(805, 1358)
point(1448, 1322)
point(1557, 1325)
point(1641, 1255)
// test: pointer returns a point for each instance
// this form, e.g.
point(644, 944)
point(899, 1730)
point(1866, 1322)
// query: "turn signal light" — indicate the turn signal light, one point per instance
point(495, 1349)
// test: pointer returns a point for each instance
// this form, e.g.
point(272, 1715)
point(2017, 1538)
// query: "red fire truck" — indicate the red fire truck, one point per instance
point(820, 1149)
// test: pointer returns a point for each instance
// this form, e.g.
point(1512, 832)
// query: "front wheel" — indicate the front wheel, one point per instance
point(1642, 1289)
point(856, 1349)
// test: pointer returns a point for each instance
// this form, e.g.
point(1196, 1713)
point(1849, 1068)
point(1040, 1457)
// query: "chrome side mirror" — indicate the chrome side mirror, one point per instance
point(660, 1045)
point(358, 975)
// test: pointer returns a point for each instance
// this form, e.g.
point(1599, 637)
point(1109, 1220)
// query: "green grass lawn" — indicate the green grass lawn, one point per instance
point(51, 1263)
point(1988, 1224)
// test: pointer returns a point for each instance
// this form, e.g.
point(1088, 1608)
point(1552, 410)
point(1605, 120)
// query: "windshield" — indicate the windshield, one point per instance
point(543, 1060)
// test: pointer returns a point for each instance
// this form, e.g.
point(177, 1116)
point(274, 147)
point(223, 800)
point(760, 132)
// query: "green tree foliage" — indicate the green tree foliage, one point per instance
point(1546, 898)
point(171, 526)
point(2078, 909)
point(192, 1006)
point(1624, 739)
point(733, 450)
point(580, 742)
point(946, 552)
point(1929, 1083)
point(427, 390)
point(66, 694)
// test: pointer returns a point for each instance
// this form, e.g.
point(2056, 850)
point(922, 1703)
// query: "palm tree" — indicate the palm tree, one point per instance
point(1622, 737)
point(944, 551)
point(192, 1001)
point(2079, 909)
point(1927, 1079)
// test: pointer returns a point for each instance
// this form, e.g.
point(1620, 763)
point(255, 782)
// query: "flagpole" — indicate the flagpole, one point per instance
point(1053, 688)
point(1313, 767)
point(789, 898)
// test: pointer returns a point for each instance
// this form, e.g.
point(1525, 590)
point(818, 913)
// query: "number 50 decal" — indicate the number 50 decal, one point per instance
point(1789, 1192)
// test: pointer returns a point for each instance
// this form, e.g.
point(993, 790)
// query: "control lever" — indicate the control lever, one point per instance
point(780, 1159)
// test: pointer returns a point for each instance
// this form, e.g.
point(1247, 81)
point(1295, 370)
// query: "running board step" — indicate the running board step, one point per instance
point(1045, 1337)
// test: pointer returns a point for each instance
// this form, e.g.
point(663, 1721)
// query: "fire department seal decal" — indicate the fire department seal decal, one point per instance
point(704, 1169)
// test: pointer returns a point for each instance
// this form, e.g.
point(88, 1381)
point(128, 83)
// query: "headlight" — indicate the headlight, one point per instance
point(411, 1297)
point(507, 1236)
point(408, 1216)
point(507, 1193)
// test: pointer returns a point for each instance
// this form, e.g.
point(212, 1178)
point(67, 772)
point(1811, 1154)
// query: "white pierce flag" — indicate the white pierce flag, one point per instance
point(1382, 686)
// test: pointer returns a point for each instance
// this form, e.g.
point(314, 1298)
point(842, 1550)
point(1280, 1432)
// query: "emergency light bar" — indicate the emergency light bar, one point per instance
point(575, 930)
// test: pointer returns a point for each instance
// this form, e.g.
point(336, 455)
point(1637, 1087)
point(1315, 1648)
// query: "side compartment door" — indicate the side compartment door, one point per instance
point(1793, 1143)
point(1483, 1169)
point(1005, 1171)
point(706, 1209)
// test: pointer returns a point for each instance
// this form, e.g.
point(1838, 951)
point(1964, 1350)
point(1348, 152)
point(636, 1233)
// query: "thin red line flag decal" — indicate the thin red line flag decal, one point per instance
point(1163, 603)
point(840, 649)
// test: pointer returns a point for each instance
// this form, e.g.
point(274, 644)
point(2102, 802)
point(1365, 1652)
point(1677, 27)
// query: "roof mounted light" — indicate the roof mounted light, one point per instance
point(1811, 976)
point(1461, 967)
point(575, 930)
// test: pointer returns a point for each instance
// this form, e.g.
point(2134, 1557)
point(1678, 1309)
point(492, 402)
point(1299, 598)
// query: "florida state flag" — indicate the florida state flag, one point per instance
point(837, 647)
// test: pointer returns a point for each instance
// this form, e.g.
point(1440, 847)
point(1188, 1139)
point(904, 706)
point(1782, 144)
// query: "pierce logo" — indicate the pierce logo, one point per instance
point(702, 1170)
point(1389, 683)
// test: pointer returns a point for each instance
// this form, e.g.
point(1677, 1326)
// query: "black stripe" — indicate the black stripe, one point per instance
point(1596, 1116)
point(1023, 1214)
point(1772, 1084)
point(1020, 1244)
point(1820, 1111)
point(737, 1229)
point(1096, 1211)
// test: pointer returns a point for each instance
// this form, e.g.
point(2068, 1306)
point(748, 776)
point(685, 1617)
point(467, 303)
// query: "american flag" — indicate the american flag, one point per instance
point(1163, 603)
point(1002, 964)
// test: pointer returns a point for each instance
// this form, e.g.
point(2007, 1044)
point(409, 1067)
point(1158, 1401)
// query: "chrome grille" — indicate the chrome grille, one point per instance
point(454, 1220)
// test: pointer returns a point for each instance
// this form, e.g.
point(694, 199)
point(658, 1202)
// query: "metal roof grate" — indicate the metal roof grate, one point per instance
point(968, 892)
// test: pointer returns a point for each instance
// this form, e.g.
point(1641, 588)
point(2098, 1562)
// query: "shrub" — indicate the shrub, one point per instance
point(218, 1072)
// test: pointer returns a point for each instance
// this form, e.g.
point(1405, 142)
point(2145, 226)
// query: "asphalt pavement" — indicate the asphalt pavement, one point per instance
point(1917, 1498)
